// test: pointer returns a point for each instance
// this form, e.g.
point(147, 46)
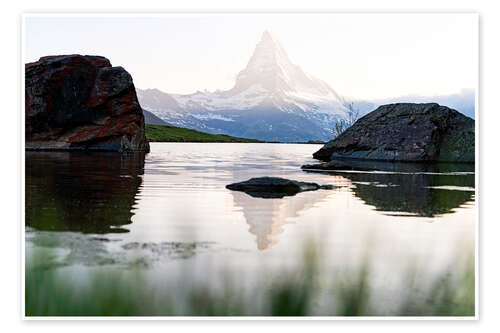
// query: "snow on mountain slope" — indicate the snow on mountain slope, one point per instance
point(244, 100)
point(272, 99)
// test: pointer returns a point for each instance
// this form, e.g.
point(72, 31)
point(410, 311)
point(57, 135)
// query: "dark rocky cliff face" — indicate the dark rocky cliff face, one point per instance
point(406, 132)
point(76, 102)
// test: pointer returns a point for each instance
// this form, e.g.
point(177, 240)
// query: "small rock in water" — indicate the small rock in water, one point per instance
point(274, 187)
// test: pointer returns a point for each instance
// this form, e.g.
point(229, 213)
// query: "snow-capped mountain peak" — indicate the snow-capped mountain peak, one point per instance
point(272, 99)
point(271, 68)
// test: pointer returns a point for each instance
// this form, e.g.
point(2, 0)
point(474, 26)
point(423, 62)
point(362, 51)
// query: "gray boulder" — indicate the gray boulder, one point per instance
point(406, 132)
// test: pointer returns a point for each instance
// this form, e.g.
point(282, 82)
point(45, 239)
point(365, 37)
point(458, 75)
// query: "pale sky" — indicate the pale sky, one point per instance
point(366, 56)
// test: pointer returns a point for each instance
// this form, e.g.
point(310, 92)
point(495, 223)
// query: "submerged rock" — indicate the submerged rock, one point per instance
point(76, 102)
point(332, 165)
point(406, 132)
point(274, 187)
point(335, 165)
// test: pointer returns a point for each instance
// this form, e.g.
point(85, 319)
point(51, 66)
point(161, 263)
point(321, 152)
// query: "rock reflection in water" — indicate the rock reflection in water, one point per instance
point(267, 217)
point(76, 191)
point(413, 189)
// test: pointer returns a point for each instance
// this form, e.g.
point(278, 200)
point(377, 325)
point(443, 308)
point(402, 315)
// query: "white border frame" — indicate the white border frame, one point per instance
point(21, 102)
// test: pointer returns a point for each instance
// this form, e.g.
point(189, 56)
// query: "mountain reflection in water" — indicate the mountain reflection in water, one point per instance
point(178, 194)
point(183, 231)
point(76, 191)
point(266, 217)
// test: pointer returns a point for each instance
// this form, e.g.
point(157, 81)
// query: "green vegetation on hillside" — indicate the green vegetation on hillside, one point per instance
point(160, 133)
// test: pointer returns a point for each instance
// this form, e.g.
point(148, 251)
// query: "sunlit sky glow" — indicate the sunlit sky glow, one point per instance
point(358, 55)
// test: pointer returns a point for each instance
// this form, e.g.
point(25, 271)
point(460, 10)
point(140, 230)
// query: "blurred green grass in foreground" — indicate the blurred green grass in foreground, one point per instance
point(119, 292)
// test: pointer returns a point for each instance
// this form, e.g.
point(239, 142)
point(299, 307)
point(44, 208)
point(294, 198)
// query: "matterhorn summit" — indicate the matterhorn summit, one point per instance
point(270, 68)
point(272, 99)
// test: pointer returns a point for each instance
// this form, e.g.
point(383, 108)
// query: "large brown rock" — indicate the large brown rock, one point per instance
point(406, 132)
point(76, 102)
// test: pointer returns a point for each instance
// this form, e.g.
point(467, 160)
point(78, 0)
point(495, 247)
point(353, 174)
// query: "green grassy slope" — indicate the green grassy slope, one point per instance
point(160, 133)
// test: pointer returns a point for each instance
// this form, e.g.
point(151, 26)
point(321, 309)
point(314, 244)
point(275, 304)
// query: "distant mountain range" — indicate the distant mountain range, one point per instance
point(463, 101)
point(271, 100)
point(151, 119)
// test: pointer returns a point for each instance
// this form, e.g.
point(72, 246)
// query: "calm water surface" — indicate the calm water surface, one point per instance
point(171, 214)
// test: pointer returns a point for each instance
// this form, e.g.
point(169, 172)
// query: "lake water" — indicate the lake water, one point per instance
point(171, 217)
